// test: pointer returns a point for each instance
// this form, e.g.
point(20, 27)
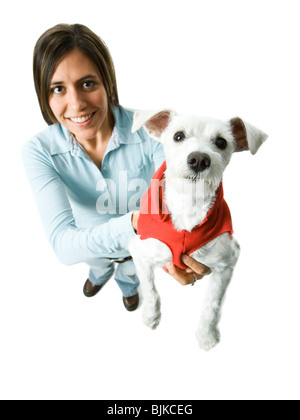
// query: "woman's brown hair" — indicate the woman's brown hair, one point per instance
point(53, 45)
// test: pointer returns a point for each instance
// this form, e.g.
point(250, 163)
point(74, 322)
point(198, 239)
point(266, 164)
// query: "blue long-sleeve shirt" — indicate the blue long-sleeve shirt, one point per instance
point(86, 212)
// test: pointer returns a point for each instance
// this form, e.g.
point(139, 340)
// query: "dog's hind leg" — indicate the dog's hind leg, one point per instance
point(208, 334)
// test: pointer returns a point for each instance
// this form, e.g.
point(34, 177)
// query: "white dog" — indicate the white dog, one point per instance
point(197, 151)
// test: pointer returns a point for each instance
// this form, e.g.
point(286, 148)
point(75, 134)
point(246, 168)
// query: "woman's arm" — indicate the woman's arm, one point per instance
point(70, 243)
point(158, 155)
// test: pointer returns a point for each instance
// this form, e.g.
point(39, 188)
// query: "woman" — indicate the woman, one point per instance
point(87, 170)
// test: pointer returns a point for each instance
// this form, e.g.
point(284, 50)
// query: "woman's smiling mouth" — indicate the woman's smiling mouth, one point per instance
point(85, 119)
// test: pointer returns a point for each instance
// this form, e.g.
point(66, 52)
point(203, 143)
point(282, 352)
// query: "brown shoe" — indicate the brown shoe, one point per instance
point(131, 303)
point(90, 289)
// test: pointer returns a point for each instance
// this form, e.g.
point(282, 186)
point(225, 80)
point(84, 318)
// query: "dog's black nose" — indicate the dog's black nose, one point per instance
point(198, 161)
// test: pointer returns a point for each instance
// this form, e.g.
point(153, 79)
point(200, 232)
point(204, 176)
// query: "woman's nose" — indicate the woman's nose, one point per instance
point(76, 100)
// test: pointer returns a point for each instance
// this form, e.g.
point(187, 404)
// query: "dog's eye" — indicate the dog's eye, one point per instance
point(179, 136)
point(221, 143)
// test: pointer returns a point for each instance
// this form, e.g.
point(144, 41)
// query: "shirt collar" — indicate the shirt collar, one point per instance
point(121, 134)
point(123, 124)
point(75, 147)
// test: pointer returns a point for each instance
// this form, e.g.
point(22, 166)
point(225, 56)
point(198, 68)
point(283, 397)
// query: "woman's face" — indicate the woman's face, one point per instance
point(78, 98)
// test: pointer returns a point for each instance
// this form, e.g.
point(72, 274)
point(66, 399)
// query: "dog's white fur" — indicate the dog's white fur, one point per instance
point(184, 189)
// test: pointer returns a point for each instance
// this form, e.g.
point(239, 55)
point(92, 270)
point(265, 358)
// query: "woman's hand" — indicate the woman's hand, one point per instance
point(195, 270)
point(134, 219)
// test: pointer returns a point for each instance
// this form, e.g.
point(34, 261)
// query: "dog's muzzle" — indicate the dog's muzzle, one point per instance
point(198, 162)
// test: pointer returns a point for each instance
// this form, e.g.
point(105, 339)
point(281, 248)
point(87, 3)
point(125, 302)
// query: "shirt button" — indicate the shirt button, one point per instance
point(104, 168)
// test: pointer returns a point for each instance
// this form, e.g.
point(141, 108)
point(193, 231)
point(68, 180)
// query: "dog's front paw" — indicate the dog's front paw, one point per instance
point(208, 339)
point(151, 320)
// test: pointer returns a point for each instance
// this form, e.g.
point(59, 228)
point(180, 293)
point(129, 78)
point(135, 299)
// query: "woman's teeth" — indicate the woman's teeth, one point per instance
point(81, 119)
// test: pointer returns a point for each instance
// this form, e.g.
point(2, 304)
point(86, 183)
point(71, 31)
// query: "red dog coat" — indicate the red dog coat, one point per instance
point(155, 221)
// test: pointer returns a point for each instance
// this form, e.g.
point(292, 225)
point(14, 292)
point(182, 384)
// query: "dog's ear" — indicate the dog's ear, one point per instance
point(155, 122)
point(247, 137)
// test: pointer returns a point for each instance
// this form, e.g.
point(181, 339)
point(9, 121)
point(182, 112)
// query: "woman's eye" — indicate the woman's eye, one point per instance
point(221, 143)
point(57, 89)
point(179, 136)
point(88, 84)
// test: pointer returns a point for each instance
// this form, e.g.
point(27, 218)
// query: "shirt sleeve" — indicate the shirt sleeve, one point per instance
point(158, 155)
point(70, 243)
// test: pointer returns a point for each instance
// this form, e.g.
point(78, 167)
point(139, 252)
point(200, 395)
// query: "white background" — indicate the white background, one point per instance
point(215, 58)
